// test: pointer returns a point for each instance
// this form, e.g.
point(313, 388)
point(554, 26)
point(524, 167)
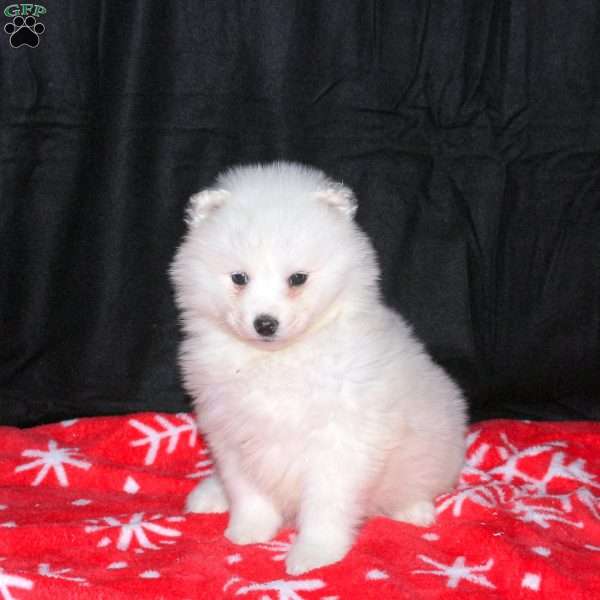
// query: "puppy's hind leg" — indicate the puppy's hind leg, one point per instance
point(410, 485)
point(420, 513)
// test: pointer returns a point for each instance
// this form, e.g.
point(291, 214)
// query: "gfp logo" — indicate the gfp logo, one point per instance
point(24, 29)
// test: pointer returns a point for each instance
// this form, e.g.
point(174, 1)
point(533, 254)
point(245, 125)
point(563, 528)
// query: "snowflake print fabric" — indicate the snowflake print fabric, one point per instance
point(93, 508)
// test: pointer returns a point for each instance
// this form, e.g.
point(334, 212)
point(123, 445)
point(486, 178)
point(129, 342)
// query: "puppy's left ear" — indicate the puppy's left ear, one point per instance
point(341, 198)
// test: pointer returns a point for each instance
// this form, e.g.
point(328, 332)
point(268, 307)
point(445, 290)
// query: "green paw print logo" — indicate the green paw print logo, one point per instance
point(25, 28)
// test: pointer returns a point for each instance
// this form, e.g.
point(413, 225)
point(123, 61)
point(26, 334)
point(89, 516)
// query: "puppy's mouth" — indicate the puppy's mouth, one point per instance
point(269, 343)
point(274, 342)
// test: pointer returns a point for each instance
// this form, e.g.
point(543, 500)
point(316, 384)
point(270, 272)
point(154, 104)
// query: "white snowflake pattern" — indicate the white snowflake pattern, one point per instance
point(476, 486)
point(204, 466)
point(531, 581)
point(589, 500)
point(511, 486)
point(458, 571)
point(134, 528)
point(154, 437)
point(151, 574)
point(45, 570)
point(560, 468)
point(12, 581)
point(541, 515)
point(509, 470)
point(286, 589)
point(584, 495)
point(376, 575)
point(485, 495)
point(52, 459)
point(473, 461)
point(279, 548)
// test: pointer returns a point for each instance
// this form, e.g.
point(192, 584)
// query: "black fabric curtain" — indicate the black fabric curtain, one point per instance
point(469, 130)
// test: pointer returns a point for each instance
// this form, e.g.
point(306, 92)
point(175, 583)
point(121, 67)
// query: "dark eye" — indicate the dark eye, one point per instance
point(239, 278)
point(296, 279)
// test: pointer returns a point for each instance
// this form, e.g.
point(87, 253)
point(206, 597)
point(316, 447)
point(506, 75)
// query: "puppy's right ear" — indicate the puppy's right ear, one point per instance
point(203, 204)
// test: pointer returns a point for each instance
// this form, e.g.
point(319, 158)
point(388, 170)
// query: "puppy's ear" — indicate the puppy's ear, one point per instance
point(203, 203)
point(341, 198)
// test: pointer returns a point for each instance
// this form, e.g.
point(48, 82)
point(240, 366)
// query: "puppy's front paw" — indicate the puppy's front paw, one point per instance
point(253, 526)
point(306, 555)
point(207, 497)
point(420, 513)
point(249, 533)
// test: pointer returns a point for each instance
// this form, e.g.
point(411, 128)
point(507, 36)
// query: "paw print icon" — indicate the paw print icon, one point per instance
point(24, 31)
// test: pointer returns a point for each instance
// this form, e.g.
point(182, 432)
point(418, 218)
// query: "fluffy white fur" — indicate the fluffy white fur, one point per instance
point(341, 414)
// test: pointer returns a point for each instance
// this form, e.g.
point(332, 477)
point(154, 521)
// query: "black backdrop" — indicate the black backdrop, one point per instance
point(470, 131)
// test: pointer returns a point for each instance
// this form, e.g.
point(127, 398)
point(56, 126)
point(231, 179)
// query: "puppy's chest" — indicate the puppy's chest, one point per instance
point(282, 390)
point(273, 401)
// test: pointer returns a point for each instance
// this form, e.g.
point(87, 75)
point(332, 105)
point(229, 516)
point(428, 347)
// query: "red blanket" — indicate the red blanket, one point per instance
point(92, 508)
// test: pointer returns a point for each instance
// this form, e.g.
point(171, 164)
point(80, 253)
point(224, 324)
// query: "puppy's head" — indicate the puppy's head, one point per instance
point(272, 251)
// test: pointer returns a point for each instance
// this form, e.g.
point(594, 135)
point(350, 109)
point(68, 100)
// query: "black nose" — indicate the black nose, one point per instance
point(266, 325)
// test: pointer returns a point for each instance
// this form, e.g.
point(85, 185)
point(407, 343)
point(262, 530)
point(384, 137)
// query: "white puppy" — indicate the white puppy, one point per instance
point(318, 404)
